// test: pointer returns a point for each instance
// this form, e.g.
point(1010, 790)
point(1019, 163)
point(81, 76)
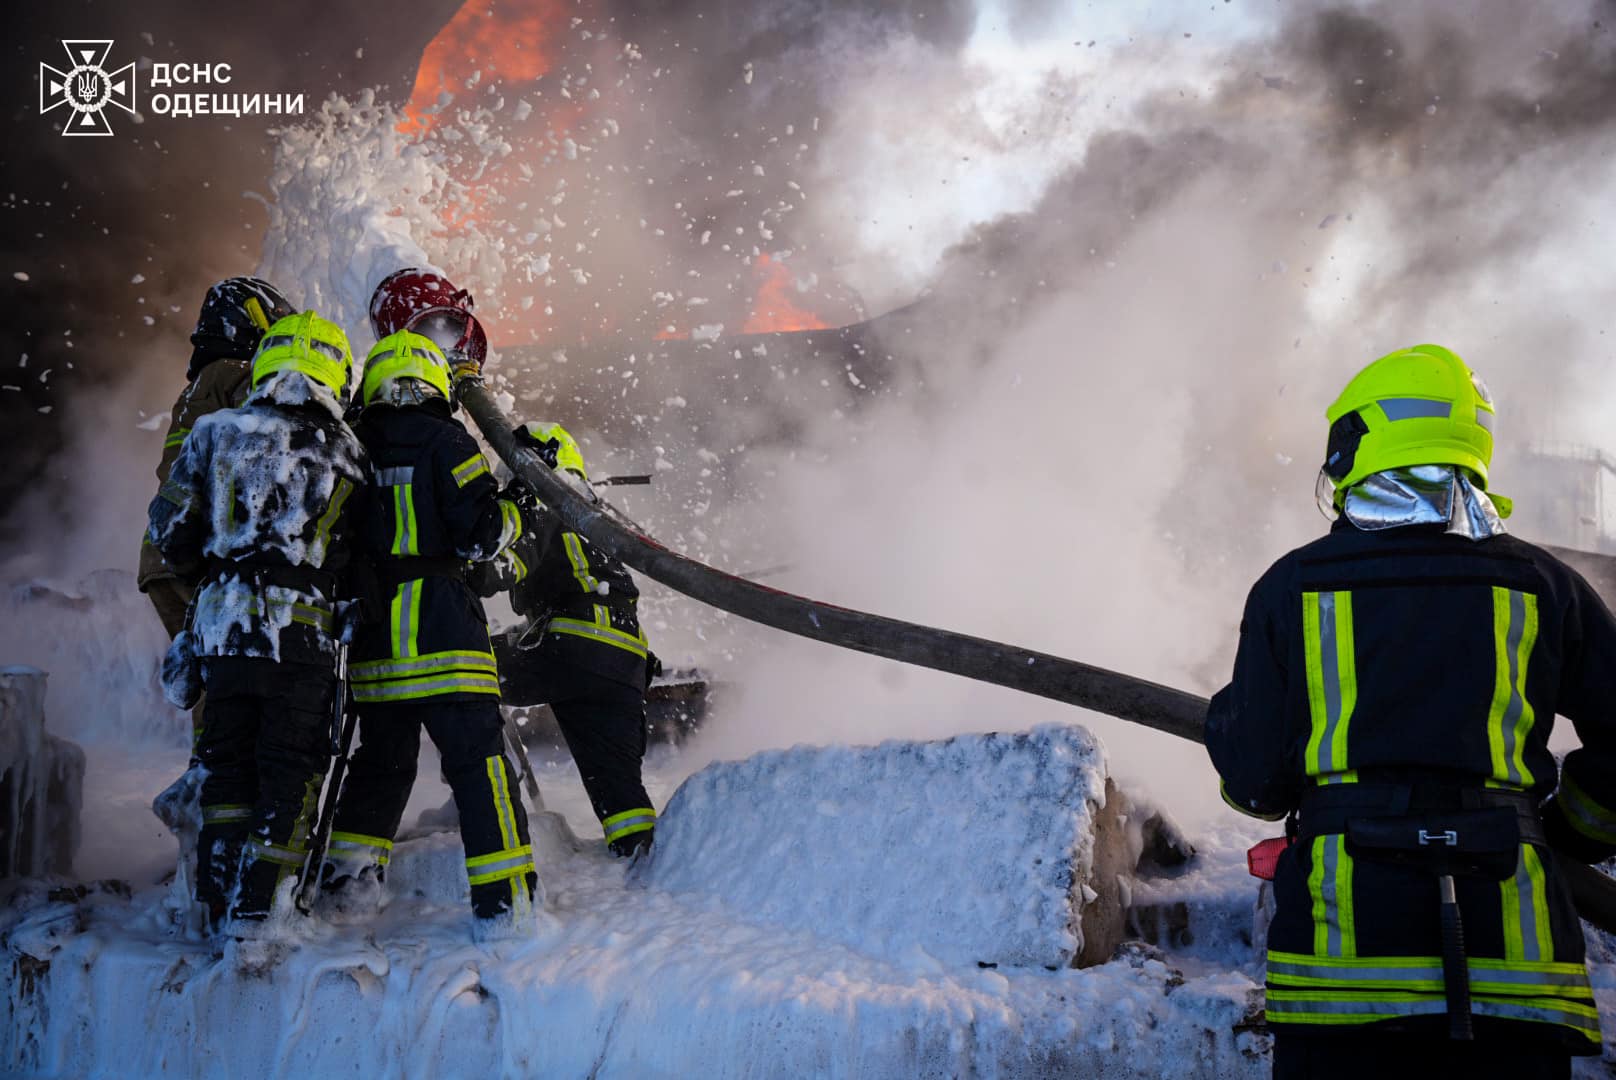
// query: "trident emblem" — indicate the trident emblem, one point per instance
point(87, 88)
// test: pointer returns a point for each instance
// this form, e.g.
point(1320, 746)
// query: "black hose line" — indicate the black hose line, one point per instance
point(1097, 689)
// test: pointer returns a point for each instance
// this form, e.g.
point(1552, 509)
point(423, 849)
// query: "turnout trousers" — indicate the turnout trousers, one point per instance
point(266, 746)
point(1370, 1051)
point(172, 599)
point(493, 822)
point(603, 722)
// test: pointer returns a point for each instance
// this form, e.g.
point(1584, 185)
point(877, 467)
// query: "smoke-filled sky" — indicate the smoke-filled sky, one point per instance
point(1149, 242)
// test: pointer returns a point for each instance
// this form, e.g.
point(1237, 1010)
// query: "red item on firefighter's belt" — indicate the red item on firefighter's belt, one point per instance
point(1263, 859)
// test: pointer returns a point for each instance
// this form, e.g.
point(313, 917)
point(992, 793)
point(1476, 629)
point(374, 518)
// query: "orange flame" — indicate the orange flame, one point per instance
point(775, 310)
point(513, 42)
point(504, 39)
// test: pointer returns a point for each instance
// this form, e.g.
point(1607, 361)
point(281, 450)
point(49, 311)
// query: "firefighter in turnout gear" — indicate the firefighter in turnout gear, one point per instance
point(1393, 694)
point(581, 651)
point(255, 513)
point(423, 657)
point(235, 313)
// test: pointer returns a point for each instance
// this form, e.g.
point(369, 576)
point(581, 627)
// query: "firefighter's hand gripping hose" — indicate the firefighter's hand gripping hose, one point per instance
point(1125, 697)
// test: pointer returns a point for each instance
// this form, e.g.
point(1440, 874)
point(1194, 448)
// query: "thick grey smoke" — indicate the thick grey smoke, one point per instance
point(1141, 275)
point(109, 244)
point(1123, 392)
point(1141, 271)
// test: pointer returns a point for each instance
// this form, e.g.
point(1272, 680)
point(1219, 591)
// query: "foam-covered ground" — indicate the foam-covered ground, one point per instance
point(623, 978)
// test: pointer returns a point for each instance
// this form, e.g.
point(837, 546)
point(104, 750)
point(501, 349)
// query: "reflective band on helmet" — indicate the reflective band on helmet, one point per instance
point(1332, 683)
point(1415, 408)
point(1511, 717)
point(283, 341)
point(404, 355)
point(629, 822)
point(255, 312)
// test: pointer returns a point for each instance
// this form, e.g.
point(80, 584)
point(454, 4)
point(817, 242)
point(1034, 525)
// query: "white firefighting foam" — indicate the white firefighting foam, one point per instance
point(353, 200)
point(632, 979)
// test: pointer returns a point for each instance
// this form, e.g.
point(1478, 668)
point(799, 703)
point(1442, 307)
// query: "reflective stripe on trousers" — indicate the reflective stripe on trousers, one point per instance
point(499, 865)
point(641, 819)
point(508, 863)
point(225, 812)
point(353, 852)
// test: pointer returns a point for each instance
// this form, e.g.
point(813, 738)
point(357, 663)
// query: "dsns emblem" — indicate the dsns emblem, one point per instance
point(87, 88)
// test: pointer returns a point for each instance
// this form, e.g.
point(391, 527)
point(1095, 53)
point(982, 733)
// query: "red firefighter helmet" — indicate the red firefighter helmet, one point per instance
point(403, 294)
point(426, 302)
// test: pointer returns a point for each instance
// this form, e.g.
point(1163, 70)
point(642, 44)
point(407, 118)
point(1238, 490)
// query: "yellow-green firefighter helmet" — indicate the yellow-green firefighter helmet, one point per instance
point(1416, 406)
point(555, 444)
point(404, 355)
point(308, 344)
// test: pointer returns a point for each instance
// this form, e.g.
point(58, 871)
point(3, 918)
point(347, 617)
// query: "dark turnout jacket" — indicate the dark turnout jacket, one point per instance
point(433, 508)
point(585, 599)
point(1407, 669)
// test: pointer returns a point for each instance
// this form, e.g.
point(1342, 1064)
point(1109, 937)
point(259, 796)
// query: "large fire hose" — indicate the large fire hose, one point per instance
point(1123, 696)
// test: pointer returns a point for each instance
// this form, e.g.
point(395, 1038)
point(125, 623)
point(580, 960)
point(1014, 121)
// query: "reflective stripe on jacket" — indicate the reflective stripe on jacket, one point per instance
point(589, 598)
point(433, 500)
point(1436, 660)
